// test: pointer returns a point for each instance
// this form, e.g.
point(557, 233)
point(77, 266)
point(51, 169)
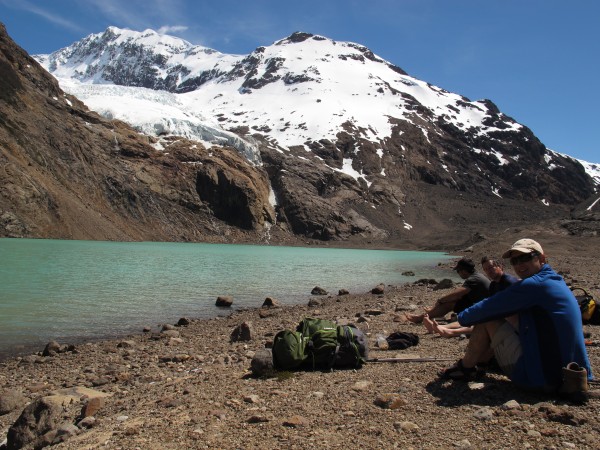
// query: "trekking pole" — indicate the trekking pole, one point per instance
point(397, 360)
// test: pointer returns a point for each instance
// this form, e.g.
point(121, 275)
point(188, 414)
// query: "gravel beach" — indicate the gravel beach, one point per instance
point(189, 386)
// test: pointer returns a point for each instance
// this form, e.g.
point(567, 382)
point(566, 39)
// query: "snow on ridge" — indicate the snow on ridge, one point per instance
point(157, 113)
point(307, 87)
point(592, 169)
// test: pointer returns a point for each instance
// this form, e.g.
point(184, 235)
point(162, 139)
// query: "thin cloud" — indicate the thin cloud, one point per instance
point(50, 17)
point(166, 29)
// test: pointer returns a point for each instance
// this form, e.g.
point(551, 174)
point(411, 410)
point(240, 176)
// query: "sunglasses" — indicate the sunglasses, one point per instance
point(524, 258)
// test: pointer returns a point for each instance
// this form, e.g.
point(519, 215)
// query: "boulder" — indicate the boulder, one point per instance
point(343, 292)
point(446, 283)
point(313, 302)
point(317, 290)
point(242, 332)
point(379, 289)
point(183, 322)
point(224, 301)
point(10, 401)
point(262, 363)
point(51, 349)
point(41, 416)
point(271, 303)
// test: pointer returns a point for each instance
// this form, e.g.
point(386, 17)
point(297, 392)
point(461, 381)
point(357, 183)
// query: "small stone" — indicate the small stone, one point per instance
point(313, 302)
point(296, 422)
point(168, 326)
point(534, 434)
point(122, 418)
point(252, 398)
point(343, 292)
point(360, 386)
point(126, 344)
point(170, 333)
point(390, 401)
point(87, 422)
point(183, 322)
point(511, 404)
point(318, 394)
point(484, 413)
point(406, 426)
point(64, 432)
point(464, 444)
point(258, 419)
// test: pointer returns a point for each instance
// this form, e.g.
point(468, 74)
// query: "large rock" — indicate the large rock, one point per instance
point(38, 418)
point(262, 363)
point(11, 400)
point(242, 332)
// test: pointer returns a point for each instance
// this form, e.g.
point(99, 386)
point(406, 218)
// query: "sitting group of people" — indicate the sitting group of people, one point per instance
point(531, 326)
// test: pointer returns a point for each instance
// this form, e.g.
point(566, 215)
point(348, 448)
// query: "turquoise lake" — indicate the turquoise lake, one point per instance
point(77, 290)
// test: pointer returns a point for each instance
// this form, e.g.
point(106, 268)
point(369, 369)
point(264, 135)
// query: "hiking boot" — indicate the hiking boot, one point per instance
point(575, 384)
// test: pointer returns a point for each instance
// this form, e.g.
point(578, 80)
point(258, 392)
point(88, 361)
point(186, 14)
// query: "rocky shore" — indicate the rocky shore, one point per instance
point(189, 385)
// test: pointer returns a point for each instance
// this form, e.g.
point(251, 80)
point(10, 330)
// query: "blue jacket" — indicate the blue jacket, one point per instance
point(550, 327)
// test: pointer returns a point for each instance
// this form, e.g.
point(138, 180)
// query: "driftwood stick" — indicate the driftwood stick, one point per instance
point(397, 360)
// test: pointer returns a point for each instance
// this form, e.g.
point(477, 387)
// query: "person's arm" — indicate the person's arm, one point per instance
point(454, 296)
point(517, 297)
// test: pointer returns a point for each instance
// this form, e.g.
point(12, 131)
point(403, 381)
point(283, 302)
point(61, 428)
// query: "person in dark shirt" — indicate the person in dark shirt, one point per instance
point(494, 270)
point(474, 288)
point(499, 280)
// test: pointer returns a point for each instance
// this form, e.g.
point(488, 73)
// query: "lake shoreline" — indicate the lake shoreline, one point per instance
point(191, 387)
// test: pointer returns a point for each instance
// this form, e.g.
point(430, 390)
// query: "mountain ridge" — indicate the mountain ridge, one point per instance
point(338, 164)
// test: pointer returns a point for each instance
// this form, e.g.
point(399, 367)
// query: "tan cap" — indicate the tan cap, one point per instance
point(523, 246)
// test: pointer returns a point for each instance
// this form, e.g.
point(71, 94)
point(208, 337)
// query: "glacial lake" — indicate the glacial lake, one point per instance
point(73, 291)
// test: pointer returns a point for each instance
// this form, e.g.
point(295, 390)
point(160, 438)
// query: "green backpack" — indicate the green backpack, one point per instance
point(310, 326)
point(289, 350)
point(322, 348)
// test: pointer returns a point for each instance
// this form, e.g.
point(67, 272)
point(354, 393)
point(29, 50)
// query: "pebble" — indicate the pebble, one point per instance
point(511, 404)
point(360, 386)
point(484, 413)
point(406, 426)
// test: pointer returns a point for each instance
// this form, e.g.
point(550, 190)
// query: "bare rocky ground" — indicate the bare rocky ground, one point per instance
point(190, 387)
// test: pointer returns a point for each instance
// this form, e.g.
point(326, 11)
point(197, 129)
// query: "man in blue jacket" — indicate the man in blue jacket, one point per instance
point(533, 328)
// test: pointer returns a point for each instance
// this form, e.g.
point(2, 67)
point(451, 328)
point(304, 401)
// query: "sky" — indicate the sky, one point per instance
point(537, 60)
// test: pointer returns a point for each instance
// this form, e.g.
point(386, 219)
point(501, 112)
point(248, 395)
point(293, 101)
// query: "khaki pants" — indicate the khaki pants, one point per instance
point(507, 347)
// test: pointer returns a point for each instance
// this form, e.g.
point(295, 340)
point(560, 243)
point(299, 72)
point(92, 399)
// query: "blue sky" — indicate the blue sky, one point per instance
point(538, 60)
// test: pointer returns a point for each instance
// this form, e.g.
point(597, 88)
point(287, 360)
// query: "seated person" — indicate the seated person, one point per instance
point(539, 343)
point(499, 280)
point(474, 288)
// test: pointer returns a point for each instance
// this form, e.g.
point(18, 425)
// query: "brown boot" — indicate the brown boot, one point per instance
point(575, 383)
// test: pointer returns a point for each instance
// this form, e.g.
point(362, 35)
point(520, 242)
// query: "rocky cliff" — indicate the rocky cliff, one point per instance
point(69, 173)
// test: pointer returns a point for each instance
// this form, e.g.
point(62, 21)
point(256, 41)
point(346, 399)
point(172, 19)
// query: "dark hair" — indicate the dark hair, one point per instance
point(497, 262)
point(465, 264)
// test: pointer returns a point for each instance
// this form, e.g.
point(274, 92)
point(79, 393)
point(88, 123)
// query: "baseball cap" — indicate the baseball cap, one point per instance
point(524, 246)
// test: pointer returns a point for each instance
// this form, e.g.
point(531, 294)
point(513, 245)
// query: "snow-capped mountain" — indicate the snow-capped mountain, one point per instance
point(336, 128)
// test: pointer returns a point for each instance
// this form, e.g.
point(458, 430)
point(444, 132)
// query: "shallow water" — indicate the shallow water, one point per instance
point(74, 290)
